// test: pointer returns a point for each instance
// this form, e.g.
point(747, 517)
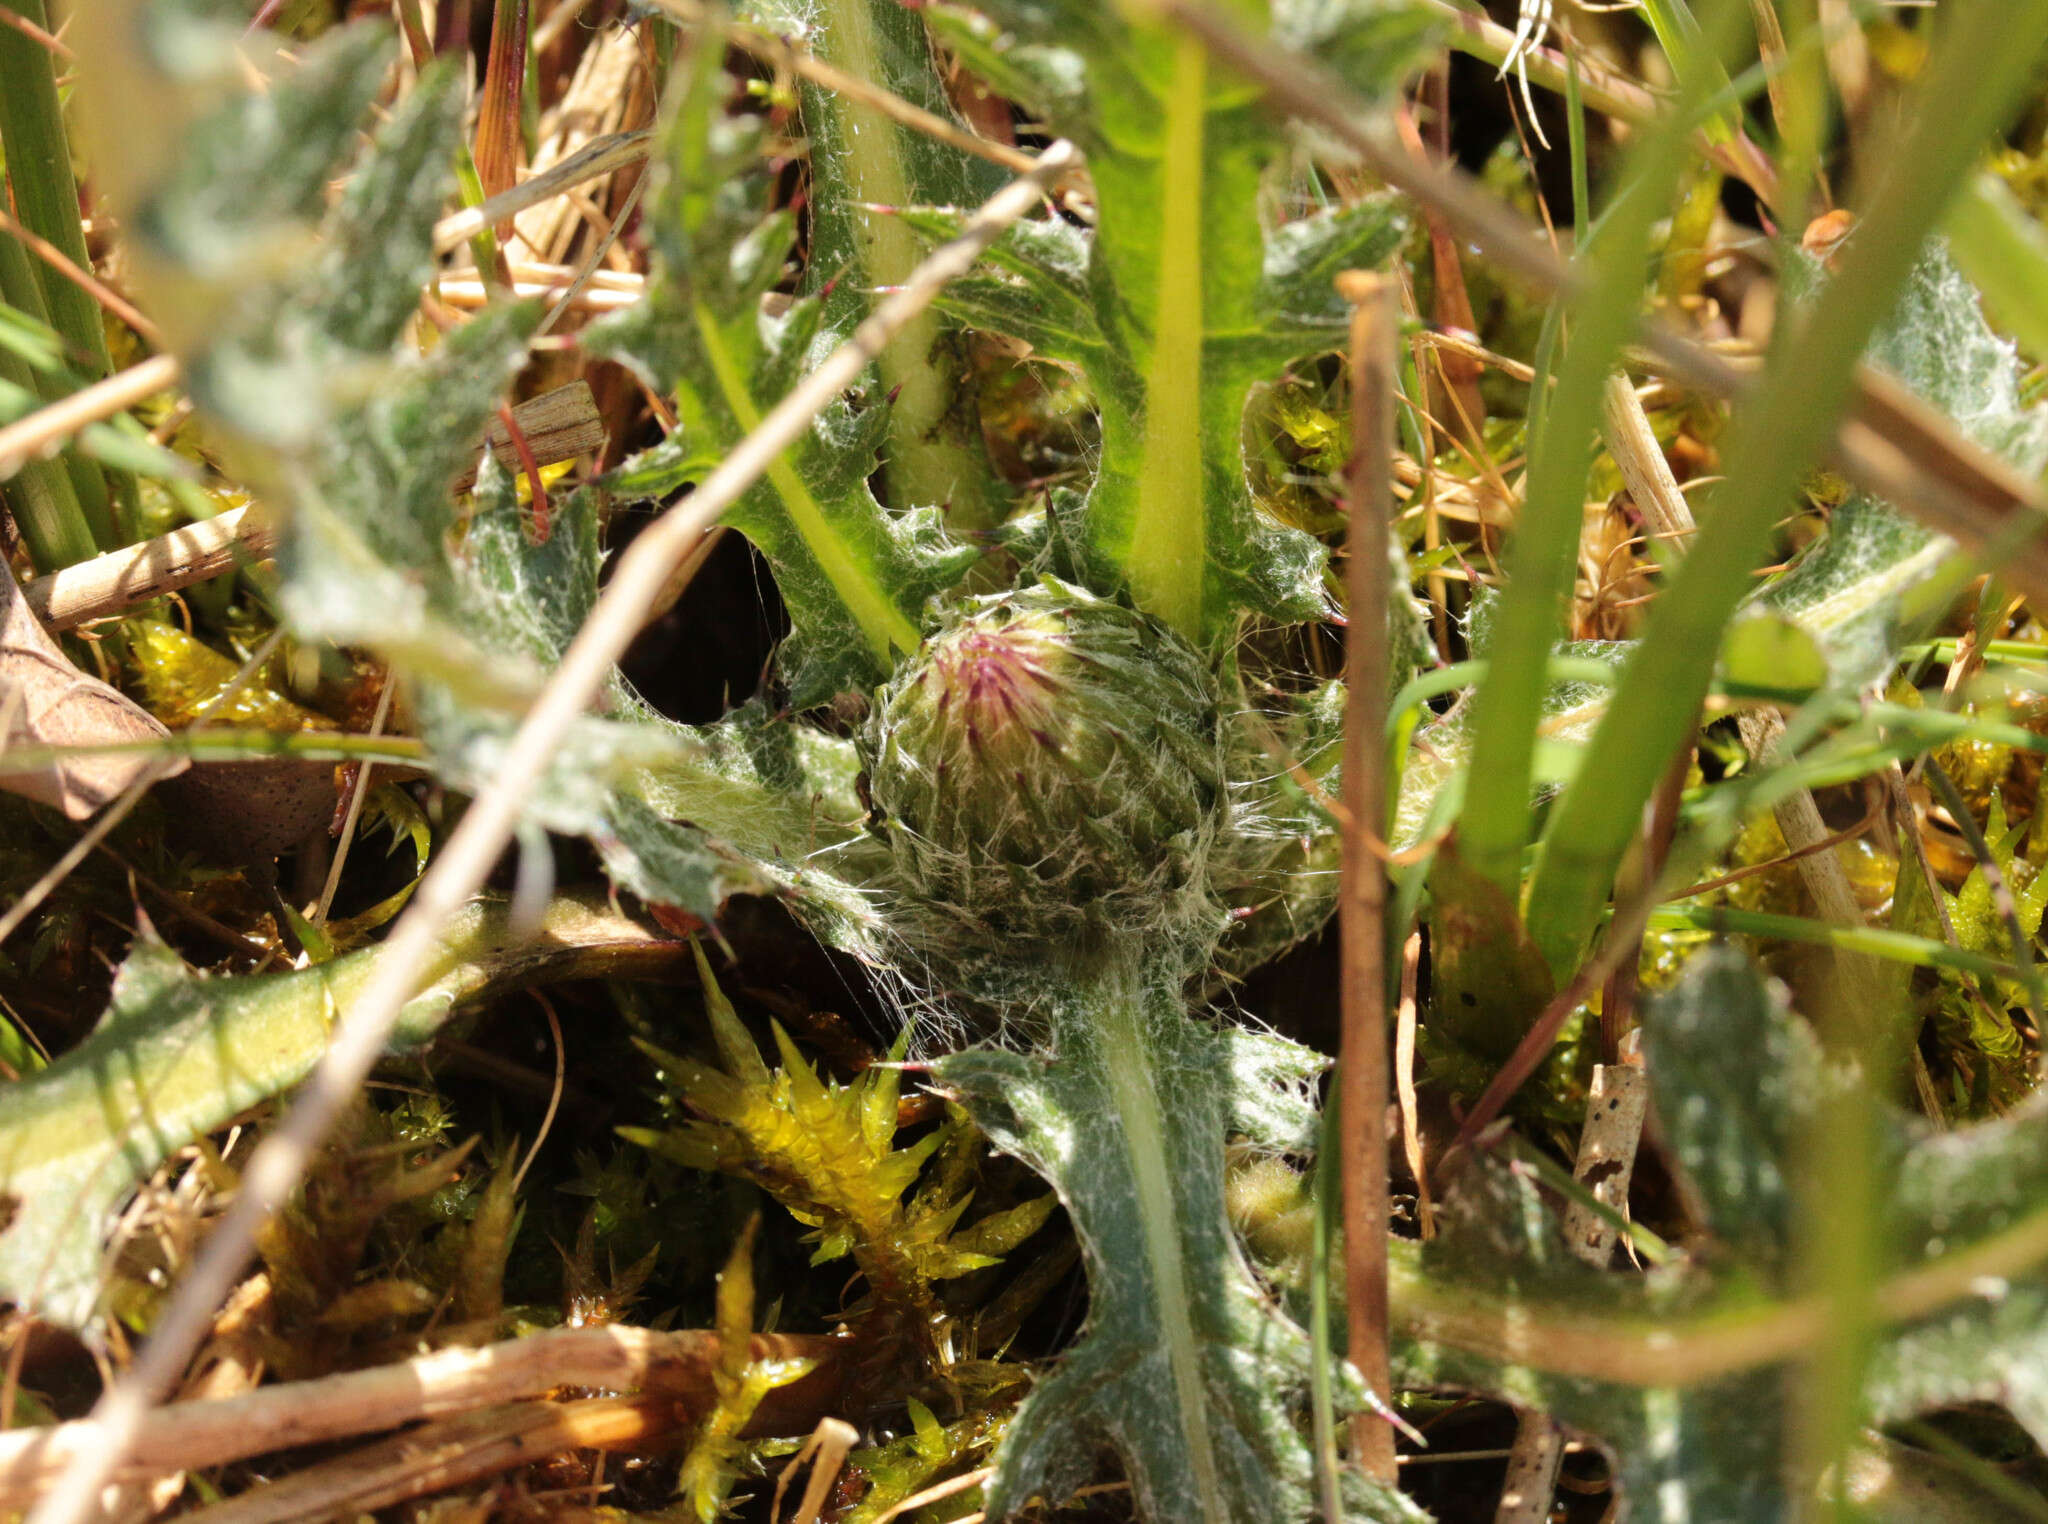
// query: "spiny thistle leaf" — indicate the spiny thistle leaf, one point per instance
point(1186, 1368)
point(288, 321)
point(524, 601)
point(177, 1055)
point(684, 815)
point(1879, 571)
point(1735, 1073)
point(1680, 1454)
point(855, 577)
point(364, 558)
point(360, 443)
point(1712, 1448)
point(1993, 1346)
point(862, 166)
point(1182, 304)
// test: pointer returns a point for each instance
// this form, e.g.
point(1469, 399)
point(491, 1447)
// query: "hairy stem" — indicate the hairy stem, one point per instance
point(1125, 1047)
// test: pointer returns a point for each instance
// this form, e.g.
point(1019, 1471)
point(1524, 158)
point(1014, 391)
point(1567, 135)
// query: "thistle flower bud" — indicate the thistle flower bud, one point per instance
point(1050, 768)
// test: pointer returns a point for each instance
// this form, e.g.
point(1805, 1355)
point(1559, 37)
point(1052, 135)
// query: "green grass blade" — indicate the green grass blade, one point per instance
point(1868, 941)
point(41, 495)
point(1544, 555)
point(1692, 59)
point(64, 528)
point(1971, 84)
point(46, 200)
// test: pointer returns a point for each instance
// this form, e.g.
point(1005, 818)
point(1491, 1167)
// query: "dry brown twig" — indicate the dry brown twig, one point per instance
point(593, 161)
point(460, 867)
point(1362, 1061)
point(35, 34)
point(450, 1453)
point(85, 280)
point(44, 431)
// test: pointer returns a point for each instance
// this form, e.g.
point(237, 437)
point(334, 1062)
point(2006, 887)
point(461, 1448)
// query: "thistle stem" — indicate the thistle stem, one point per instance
point(1169, 548)
point(1125, 1054)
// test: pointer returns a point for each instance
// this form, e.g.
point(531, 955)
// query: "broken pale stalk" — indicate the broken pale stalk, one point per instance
point(1615, 1106)
point(827, 1448)
point(137, 573)
point(447, 1454)
point(593, 161)
point(1404, 1086)
point(197, 1435)
point(461, 866)
point(1363, 916)
point(44, 431)
point(558, 426)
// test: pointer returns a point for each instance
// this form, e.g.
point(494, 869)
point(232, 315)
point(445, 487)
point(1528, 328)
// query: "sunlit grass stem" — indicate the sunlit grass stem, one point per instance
point(1542, 559)
point(46, 200)
point(40, 496)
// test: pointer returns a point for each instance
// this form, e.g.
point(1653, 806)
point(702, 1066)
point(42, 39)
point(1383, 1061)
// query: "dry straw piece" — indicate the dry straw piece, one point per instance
point(558, 425)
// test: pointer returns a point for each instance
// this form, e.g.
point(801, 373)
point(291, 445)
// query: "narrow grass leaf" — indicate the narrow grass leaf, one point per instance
point(1494, 824)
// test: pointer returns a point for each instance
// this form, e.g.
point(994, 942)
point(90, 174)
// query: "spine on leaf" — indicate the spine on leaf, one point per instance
point(854, 577)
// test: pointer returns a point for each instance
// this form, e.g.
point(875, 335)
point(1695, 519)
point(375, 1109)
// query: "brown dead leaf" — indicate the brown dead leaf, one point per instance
point(46, 701)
